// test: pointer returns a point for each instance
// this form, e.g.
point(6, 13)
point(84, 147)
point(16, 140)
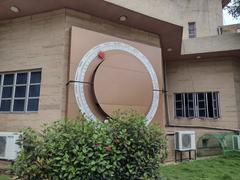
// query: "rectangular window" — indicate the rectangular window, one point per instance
point(192, 30)
point(189, 105)
point(20, 91)
point(197, 105)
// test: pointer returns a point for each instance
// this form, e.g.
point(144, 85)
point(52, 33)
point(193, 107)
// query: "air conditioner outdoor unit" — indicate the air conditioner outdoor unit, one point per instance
point(236, 142)
point(185, 140)
point(8, 146)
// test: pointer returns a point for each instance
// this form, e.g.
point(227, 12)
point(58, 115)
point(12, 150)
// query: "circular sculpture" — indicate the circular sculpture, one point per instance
point(90, 57)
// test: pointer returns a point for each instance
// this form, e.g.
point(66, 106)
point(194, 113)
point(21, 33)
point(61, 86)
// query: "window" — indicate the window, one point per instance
point(20, 91)
point(197, 105)
point(192, 30)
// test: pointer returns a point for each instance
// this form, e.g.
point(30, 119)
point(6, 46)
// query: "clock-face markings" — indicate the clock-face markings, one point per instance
point(91, 55)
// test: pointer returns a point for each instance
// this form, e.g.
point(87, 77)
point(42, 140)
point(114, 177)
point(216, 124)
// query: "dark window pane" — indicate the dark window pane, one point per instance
point(200, 96)
point(7, 92)
point(186, 105)
point(190, 96)
point(190, 104)
point(5, 105)
point(191, 113)
point(201, 104)
point(20, 91)
point(178, 97)
point(216, 115)
point(22, 78)
point(33, 105)
point(210, 105)
point(8, 79)
point(35, 77)
point(18, 105)
point(34, 91)
point(202, 113)
point(215, 104)
point(215, 95)
point(178, 104)
point(179, 113)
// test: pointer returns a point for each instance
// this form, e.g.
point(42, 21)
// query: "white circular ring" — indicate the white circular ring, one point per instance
point(91, 55)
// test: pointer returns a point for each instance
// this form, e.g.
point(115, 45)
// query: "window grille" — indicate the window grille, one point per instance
point(192, 30)
point(20, 91)
point(197, 105)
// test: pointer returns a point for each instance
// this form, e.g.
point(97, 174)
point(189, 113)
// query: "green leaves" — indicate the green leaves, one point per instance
point(123, 148)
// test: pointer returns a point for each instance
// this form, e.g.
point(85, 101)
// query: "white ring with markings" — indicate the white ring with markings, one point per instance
point(91, 56)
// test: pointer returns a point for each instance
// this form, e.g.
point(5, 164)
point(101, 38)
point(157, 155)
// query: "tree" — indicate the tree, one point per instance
point(233, 8)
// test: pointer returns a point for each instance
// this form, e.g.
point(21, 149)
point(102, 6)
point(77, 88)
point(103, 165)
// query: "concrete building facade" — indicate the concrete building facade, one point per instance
point(206, 13)
point(160, 29)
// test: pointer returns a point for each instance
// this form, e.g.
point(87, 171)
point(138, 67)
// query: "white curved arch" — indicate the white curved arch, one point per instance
point(91, 55)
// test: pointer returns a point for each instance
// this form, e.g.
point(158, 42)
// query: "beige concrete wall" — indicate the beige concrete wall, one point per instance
point(43, 41)
point(236, 65)
point(225, 42)
point(235, 28)
point(74, 18)
point(221, 75)
point(204, 76)
point(206, 13)
point(35, 42)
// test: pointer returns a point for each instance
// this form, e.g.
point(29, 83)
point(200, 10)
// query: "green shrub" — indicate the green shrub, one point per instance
point(122, 148)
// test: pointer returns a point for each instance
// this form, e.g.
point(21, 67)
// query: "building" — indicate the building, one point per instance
point(172, 60)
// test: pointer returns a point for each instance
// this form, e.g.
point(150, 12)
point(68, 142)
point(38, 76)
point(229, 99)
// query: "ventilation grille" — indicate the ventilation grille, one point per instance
point(3, 142)
point(186, 141)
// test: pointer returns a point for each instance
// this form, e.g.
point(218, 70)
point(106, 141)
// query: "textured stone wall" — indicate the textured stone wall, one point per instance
point(43, 41)
point(236, 65)
point(35, 42)
point(204, 76)
point(206, 13)
point(74, 18)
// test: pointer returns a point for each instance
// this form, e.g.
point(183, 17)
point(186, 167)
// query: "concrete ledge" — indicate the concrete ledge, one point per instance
point(225, 42)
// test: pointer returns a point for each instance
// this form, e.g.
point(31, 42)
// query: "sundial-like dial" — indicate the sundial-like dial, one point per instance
point(121, 77)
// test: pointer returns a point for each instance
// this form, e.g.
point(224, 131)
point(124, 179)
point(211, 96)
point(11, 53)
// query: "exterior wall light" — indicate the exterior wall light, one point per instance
point(198, 57)
point(14, 9)
point(122, 18)
point(169, 49)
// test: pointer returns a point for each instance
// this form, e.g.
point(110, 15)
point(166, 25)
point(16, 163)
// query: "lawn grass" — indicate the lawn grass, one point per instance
point(3, 177)
point(225, 167)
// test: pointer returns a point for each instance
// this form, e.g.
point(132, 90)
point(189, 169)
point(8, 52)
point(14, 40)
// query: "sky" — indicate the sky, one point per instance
point(228, 19)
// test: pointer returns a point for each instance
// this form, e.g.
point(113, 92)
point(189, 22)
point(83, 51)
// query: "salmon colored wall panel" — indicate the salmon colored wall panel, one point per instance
point(120, 81)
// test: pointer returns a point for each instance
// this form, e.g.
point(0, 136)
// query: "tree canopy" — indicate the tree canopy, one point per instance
point(233, 8)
